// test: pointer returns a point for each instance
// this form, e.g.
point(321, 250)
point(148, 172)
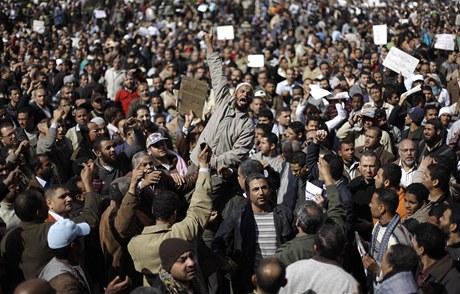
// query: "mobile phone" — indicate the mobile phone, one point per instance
point(203, 145)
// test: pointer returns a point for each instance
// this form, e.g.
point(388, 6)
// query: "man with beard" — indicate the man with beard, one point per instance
point(433, 145)
point(57, 146)
point(450, 224)
point(43, 172)
point(128, 93)
point(230, 131)
point(407, 161)
point(27, 129)
point(142, 114)
point(110, 165)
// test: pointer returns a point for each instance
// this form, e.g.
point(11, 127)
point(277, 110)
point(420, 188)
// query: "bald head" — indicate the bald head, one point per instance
point(34, 286)
point(270, 275)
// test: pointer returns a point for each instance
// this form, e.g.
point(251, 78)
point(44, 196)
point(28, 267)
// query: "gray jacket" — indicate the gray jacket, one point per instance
point(229, 132)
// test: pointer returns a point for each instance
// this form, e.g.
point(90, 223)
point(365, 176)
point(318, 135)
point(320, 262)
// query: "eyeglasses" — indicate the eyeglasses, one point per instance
point(13, 133)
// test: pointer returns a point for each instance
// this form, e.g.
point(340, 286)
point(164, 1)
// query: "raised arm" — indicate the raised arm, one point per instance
point(218, 78)
point(200, 206)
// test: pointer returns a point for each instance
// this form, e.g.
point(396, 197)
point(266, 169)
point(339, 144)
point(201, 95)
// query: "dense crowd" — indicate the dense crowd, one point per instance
point(319, 170)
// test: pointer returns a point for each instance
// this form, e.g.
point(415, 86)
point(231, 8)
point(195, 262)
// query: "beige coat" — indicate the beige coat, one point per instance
point(144, 248)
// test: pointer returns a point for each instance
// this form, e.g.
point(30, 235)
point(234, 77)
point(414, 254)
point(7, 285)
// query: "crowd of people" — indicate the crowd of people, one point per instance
point(319, 171)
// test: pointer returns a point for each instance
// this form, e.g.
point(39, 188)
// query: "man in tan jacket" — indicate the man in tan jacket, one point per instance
point(144, 249)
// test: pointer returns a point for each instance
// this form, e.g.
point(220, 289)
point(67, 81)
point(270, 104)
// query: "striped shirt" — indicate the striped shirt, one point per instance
point(265, 236)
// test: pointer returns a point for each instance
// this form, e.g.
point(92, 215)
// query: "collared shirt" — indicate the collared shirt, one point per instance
point(284, 86)
point(56, 216)
point(41, 182)
point(406, 176)
point(351, 171)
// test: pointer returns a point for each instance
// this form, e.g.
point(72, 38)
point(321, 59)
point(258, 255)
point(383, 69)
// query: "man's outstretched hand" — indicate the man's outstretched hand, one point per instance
point(209, 40)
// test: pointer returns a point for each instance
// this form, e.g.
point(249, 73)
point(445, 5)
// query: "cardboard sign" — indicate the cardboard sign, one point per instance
point(400, 62)
point(380, 34)
point(192, 95)
point(445, 42)
point(256, 60)
point(225, 33)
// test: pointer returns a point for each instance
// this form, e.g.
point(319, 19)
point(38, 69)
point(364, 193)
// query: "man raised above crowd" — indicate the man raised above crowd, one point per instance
point(230, 131)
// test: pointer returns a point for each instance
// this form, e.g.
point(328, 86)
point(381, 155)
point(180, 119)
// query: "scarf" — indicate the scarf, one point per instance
point(386, 237)
point(181, 165)
point(176, 287)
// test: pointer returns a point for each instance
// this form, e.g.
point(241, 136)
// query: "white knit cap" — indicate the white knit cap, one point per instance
point(243, 84)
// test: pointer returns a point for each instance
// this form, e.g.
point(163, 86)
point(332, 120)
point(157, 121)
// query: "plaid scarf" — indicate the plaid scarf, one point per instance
point(177, 287)
point(386, 237)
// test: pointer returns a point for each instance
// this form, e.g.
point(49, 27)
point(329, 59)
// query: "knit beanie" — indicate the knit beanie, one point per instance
point(171, 249)
point(416, 114)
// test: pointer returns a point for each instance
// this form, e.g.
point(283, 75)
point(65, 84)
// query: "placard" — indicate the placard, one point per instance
point(400, 62)
point(192, 95)
point(317, 92)
point(99, 13)
point(380, 34)
point(445, 42)
point(256, 60)
point(38, 26)
point(225, 33)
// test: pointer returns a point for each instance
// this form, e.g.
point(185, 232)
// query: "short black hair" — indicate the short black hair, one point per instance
point(98, 142)
point(298, 128)
point(265, 128)
point(441, 173)
point(329, 241)
point(419, 190)
point(266, 113)
point(299, 158)
point(436, 123)
point(389, 198)
point(403, 258)
point(271, 138)
point(27, 203)
point(251, 177)
point(35, 162)
point(164, 204)
point(310, 216)
point(392, 172)
point(431, 238)
point(111, 113)
point(251, 166)
point(336, 165)
point(431, 106)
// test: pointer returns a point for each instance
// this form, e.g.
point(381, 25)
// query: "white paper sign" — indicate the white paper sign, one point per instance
point(256, 60)
point(38, 25)
point(99, 13)
point(311, 191)
point(225, 33)
point(202, 8)
point(317, 92)
point(400, 62)
point(445, 42)
point(341, 95)
point(380, 34)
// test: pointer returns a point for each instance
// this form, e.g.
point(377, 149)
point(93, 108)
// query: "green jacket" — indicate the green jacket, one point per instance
point(301, 247)
point(144, 248)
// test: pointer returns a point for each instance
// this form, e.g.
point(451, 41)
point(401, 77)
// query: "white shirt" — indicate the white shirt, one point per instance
point(406, 177)
point(41, 182)
point(56, 216)
point(284, 86)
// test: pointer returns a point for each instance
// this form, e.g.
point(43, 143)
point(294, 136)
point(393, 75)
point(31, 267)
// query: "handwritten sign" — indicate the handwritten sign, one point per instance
point(256, 60)
point(400, 62)
point(193, 94)
point(380, 34)
point(445, 42)
point(225, 33)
